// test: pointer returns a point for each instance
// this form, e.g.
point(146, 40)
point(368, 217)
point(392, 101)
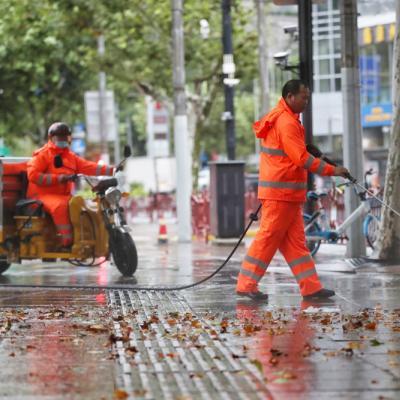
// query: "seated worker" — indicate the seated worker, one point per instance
point(52, 185)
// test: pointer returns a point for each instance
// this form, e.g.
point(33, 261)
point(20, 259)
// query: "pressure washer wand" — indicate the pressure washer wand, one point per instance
point(354, 182)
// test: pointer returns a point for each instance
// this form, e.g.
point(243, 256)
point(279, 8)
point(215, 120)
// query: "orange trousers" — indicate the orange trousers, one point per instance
point(281, 228)
point(58, 207)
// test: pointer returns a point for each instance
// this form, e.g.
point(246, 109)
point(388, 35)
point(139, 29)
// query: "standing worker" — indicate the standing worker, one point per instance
point(52, 184)
point(282, 188)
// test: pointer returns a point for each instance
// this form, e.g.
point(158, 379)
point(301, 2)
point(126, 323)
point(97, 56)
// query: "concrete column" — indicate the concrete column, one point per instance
point(352, 135)
point(181, 134)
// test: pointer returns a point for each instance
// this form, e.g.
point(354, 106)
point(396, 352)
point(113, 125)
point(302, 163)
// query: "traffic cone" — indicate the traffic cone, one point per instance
point(162, 232)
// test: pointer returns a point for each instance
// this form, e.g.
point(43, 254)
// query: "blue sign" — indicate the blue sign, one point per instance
point(380, 114)
point(78, 146)
point(370, 78)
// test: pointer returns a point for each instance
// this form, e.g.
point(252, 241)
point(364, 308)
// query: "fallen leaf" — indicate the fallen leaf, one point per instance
point(97, 328)
point(289, 375)
point(354, 345)
point(276, 353)
point(258, 364)
point(375, 342)
point(348, 351)
point(371, 326)
point(132, 350)
point(273, 361)
point(120, 394)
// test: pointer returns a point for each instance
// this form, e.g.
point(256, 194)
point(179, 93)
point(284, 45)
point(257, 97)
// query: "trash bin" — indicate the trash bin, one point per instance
point(227, 198)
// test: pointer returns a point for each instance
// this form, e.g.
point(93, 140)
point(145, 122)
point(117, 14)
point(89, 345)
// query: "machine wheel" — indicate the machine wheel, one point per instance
point(4, 265)
point(371, 229)
point(123, 250)
point(312, 245)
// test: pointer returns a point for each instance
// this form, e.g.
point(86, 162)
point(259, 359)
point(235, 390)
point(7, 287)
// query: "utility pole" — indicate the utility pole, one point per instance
point(228, 70)
point(263, 56)
point(352, 134)
point(181, 136)
point(102, 101)
point(306, 72)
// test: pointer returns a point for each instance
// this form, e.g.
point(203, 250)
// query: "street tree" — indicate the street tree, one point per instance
point(48, 58)
point(45, 56)
point(389, 236)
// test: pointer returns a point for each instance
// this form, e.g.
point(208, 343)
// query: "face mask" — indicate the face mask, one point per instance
point(62, 145)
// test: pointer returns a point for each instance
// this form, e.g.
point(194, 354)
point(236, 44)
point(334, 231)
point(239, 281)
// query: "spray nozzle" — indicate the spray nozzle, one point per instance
point(350, 178)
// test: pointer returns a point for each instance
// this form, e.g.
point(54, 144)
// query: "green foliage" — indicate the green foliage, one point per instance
point(86, 193)
point(48, 58)
point(137, 190)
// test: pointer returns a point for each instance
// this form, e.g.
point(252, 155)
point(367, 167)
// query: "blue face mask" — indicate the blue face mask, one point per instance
point(62, 144)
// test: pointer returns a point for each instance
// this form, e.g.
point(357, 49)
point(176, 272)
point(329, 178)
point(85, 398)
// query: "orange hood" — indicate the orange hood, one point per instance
point(267, 122)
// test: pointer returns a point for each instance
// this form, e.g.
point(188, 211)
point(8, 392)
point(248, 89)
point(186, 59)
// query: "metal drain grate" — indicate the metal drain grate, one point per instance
point(160, 358)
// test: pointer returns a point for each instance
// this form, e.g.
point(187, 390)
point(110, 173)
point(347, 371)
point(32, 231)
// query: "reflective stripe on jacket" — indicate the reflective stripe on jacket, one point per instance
point(45, 178)
point(284, 160)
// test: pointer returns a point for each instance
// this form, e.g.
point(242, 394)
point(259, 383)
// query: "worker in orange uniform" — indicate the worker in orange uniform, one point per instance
point(52, 184)
point(282, 187)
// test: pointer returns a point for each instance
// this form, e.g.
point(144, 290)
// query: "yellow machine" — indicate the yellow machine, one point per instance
point(27, 232)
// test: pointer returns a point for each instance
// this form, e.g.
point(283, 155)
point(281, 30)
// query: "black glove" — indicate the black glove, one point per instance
point(68, 178)
point(120, 167)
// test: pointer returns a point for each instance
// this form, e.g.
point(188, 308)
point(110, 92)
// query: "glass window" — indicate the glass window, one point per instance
point(335, 4)
point(338, 84)
point(323, 47)
point(337, 47)
point(322, 7)
point(324, 67)
point(338, 65)
point(324, 85)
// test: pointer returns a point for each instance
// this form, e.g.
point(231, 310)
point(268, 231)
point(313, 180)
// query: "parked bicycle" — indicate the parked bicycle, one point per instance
point(317, 227)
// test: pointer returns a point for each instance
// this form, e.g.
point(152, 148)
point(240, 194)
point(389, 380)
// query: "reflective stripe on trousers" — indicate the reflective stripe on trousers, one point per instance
point(281, 228)
point(58, 208)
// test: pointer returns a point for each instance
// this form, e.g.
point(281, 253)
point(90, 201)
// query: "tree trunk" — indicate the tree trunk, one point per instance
point(388, 247)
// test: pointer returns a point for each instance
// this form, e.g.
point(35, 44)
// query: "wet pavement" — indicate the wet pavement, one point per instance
point(201, 343)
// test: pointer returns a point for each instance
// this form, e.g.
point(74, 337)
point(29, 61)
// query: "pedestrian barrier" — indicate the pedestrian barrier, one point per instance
point(200, 203)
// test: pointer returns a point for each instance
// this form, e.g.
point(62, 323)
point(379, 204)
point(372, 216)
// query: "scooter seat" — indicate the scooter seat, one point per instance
point(23, 207)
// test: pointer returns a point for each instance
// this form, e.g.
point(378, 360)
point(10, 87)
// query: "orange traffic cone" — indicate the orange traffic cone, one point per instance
point(162, 232)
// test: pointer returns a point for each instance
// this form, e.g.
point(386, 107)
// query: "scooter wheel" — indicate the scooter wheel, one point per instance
point(4, 265)
point(123, 250)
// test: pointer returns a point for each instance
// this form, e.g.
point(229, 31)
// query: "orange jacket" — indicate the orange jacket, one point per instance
point(284, 160)
point(44, 177)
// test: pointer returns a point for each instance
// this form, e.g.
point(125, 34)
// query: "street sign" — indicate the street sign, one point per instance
point(78, 146)
point(92, 111)
point(157, 129)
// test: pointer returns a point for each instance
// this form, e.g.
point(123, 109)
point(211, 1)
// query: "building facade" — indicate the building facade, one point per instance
point(376, 36)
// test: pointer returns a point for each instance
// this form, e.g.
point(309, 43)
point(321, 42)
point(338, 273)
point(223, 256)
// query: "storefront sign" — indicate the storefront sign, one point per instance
point(377, 115)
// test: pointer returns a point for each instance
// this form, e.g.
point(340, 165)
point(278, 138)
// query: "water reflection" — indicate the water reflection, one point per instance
point(280, 342)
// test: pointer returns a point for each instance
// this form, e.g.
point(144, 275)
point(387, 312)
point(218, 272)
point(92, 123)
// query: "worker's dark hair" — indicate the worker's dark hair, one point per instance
point(293, 86)
point(59, 129)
